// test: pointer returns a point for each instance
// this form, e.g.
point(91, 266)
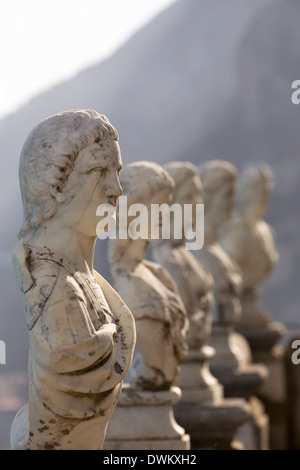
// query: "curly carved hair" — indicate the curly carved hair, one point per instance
point(48, 156)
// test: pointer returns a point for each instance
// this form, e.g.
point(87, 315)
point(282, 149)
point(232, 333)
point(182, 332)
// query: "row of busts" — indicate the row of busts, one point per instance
point(82, 333)
point(195, 288)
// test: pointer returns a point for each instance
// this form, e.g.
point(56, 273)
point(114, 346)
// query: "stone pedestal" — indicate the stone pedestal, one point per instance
point(273, 394)
point(241, 382)
point(144, 420)
point(196, 381)
point(233, 367)
point(262, 334)
point(255, 433)
point(257, 325)
point(214, 426)
point(292, 360)
point(232, 363)
point(211, 421)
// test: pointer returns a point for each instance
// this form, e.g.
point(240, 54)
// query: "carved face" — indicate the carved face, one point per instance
point(94, 180)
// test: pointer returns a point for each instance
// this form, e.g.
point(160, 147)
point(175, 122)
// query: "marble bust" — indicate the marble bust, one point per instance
point(195, 285)
point(250, 241)
point(81, 333)
point(219, 182)
point(193, 281)
point(248, 229)
point(219, 185)
point(147, 288)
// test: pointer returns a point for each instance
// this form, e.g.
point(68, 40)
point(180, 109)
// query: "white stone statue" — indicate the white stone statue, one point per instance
point(249, 240)
point(193, 281)
point(144, 417)
point(232, 364)
point(195, 285)
point(147, 288)
point(81, 333)
point(219, 182)
point(210, 419)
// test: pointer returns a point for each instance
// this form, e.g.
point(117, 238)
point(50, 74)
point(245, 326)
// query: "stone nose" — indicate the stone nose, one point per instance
point(114, 188)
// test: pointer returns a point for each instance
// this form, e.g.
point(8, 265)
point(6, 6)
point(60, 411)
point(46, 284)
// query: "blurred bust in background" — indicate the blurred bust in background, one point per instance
point(247, 238)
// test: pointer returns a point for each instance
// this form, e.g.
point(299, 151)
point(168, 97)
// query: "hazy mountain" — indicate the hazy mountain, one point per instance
point(205, 79)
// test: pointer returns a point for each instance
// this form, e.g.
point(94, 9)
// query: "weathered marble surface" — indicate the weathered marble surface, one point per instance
point(247, 238)
point(194, 283)
point(232, 363)
point(250, 241)
point(81, 333)
point(127, 429)
point(161, 324)
point(148, 289)
point(219, 181)
point(211, 420)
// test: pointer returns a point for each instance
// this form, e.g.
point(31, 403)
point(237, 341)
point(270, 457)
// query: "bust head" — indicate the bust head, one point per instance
point(143, 180)
point(255, 188)
point(64, 157)
point(146, 183)
point(188, 188)
point(219, 181)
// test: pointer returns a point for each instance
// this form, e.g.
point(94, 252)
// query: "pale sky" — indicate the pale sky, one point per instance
point(45, 42)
